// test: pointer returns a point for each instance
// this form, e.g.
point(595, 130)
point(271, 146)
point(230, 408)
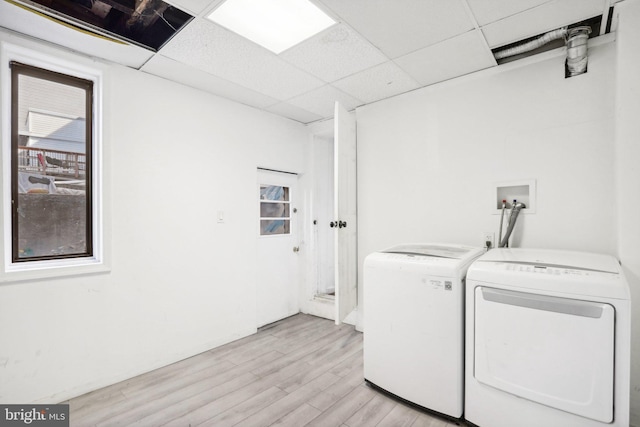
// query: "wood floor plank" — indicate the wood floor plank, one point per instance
point(299, 371)
point(197, 408)
point(347, 365)
point(425, 420)
point(207, 411)
point(400, 416)
point(192, 364)
point(305, 337)
point(250, 352)
point(278, 409)
point(145, 389)
point(290, 323)
point(200, 406)
point(344, 408)
point(307, 323)
point(322, 382)
point(372, 413)
point(92, 402)
point(236, 414)
point(339, 389)
point(193, 396)
point(142, 391)
point(322, 365)
point(302, 351)
point(237, 347)
point(298, 417)
point(298, 344)
point(337, 351)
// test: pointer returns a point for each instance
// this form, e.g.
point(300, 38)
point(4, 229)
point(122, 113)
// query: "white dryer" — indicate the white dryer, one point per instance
point(548, 340)
point(414, 327)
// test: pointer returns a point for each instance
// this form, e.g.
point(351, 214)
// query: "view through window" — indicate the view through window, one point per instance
point(51, 173)
point(275, 205)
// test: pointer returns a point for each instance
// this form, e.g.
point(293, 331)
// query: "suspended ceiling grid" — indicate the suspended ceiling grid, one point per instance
point(377, 49)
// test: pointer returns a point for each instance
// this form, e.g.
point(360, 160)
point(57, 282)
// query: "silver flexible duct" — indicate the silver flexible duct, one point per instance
point(533, 44)
point(577, 50)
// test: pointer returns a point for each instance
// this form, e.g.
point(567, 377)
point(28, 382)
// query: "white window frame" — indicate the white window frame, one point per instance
point(15, 271)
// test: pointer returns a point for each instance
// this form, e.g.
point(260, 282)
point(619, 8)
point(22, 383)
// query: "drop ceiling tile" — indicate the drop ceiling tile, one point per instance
point(322, 101)
point(487, 11)
point(218, 51)
point(401, 26)
point(379, 82)
point(549, 16)
point(193, 77)
point(294, 113)
point(334, 53)
point(452, 58)
point(195, 7)
point(36, 25)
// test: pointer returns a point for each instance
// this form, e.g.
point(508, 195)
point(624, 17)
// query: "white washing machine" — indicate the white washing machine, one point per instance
point(414, 331)
point(548, 340)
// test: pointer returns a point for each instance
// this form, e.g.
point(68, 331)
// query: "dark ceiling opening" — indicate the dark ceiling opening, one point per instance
point(148, 23)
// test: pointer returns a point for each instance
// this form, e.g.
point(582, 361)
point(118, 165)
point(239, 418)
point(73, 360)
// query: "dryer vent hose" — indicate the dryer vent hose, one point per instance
point(532, 44)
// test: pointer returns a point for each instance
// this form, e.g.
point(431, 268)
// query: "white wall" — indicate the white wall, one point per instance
point(180, 283)
point(428, 160)
point(628, 175)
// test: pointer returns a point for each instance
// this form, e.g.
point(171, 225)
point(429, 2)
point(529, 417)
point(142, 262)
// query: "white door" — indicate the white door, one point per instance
point(345, 226)
point(277, 276)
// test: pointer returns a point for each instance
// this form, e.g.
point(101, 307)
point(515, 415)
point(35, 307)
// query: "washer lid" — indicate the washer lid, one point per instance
point(433, 250)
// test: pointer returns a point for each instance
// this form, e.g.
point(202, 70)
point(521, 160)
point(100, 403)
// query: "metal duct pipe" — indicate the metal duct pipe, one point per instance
point(533, 44)
point(577, 50)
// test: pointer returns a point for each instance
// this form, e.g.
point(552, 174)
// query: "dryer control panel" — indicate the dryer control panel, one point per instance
point(552, 277)
point(552, 270)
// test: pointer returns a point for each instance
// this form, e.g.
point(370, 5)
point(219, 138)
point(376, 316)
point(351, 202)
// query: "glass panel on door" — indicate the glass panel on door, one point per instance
point(275, 214)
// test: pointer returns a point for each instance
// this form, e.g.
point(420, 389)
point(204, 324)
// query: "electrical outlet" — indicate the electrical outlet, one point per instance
point(488, 236)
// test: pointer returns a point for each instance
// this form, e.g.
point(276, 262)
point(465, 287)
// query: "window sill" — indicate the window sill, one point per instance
point(52, 269)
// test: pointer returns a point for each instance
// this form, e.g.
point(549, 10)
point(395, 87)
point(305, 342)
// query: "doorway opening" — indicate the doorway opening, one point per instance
point(324, 283)
point(331, 290)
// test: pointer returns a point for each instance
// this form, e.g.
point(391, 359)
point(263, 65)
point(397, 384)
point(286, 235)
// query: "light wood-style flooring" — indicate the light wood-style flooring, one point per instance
point(300, 371)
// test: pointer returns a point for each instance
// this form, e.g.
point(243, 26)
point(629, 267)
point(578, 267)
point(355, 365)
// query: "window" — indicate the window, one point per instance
point(51, 192)
point(275, 206)
point(51, 133)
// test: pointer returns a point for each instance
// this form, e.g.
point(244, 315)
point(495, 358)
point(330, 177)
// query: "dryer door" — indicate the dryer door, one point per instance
point(555, 351)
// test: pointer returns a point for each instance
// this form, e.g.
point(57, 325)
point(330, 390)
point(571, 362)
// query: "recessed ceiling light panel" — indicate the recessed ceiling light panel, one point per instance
point(275, 24)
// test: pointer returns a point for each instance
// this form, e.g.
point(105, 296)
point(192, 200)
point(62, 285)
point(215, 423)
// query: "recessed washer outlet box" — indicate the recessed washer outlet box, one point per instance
point(523, 191)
